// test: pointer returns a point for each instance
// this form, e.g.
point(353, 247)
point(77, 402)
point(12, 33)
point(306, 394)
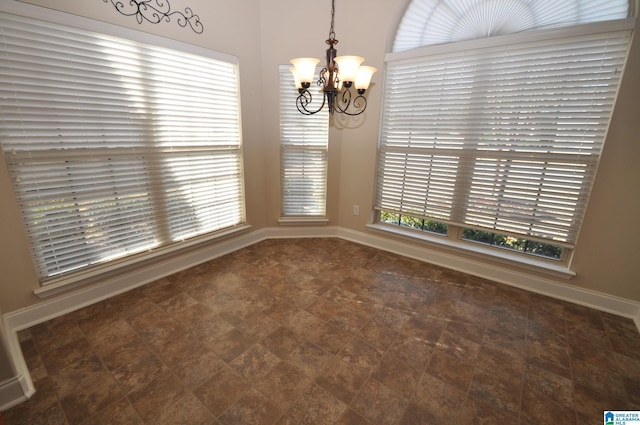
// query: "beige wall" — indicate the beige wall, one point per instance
point(266, 33)
point(608, 251)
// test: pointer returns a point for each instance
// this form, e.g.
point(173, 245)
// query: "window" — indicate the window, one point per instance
point(116, 147)
point(430, 22)
point(303, 160)
point(499, 138)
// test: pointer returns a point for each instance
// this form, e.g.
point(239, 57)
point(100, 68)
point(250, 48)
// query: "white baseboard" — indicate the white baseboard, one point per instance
point(12, 392)
point(291, 232)
point(20, 388)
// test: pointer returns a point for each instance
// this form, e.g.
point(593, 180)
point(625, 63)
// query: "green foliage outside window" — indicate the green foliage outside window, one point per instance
point(513, 243)
point(413, 222)
point(481, 236)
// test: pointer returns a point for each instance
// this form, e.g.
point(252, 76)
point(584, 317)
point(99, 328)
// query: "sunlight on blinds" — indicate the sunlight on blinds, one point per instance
point(499, 138)
point(115, 147)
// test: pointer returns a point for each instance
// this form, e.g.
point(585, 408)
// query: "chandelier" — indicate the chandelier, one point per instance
point(335, 80)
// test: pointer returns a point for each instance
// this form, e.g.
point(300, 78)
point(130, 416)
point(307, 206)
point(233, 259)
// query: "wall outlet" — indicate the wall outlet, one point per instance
point(356, 210)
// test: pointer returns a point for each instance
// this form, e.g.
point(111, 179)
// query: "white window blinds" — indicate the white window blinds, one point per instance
point(115, 147)
point(428, 22)
point(303, 159)
point(504, 136)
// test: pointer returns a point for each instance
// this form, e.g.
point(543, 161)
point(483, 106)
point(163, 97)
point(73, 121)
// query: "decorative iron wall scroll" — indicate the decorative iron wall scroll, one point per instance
point(156, 11)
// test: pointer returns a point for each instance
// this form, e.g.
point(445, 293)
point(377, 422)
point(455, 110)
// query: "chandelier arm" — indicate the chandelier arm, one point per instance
point(344, 98)
point(322, 77)
point(359, 104)
point(356, 103)
point(304, 99)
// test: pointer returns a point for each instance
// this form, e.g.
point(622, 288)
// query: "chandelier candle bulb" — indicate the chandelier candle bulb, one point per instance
point(348, 67)
point(296, 80)
point(363, 79)
point(305, 69)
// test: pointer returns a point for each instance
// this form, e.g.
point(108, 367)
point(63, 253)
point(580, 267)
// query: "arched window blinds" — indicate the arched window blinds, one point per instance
point(500, 133)
point(429, 22)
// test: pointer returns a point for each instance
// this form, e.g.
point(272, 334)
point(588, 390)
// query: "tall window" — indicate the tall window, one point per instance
point(115, 147)
point(303, 159)
point(493, 123)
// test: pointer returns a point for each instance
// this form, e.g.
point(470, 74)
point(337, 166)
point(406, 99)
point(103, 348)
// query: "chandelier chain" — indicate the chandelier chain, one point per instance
point(332, 34)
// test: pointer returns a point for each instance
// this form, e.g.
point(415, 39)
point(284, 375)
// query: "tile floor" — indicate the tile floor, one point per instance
point(324, 331)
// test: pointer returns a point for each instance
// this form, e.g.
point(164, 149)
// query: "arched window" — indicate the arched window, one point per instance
point(494, 116)
point(429, 22)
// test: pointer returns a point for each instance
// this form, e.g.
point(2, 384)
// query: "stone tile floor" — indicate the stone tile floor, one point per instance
point(324, 331)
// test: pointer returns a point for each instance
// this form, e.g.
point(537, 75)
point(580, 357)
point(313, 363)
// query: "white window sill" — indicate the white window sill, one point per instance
point(303, 221)
point(531, 263)
point(95, 273)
